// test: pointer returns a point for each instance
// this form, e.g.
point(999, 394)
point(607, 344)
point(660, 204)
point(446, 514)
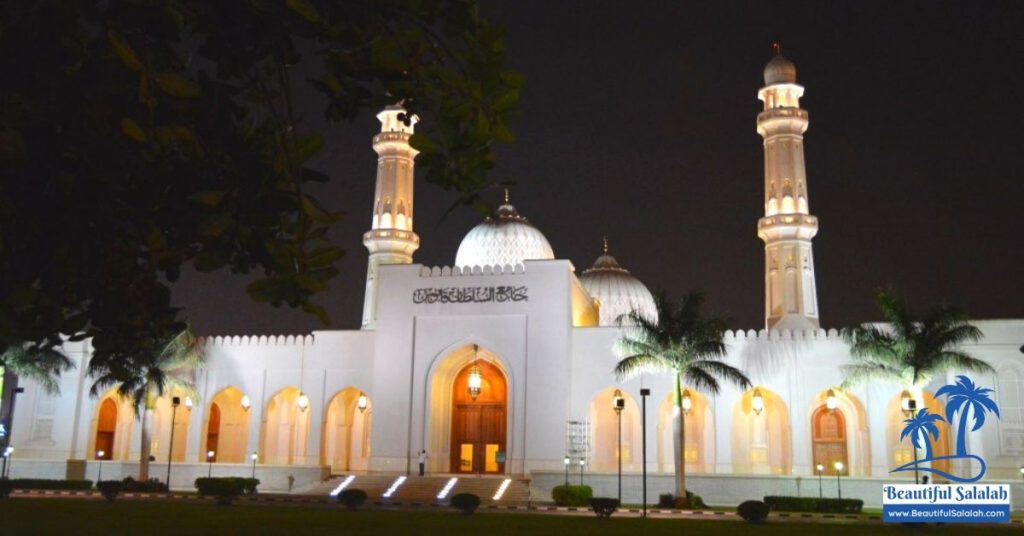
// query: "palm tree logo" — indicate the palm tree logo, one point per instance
point(966, 398)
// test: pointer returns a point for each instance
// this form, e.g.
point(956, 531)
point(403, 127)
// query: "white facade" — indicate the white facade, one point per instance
point(545, 346)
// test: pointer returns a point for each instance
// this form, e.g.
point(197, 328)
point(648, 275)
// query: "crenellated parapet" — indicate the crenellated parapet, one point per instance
point(783, 335)
point(456, 271)
point(257, 340)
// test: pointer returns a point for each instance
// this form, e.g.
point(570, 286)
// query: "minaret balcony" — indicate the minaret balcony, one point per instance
point(391, 240)
point(787, 226)
point(782, 119)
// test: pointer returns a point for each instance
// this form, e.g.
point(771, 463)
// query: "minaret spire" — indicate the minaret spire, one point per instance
point(390, 239)
point(787, 226)
point(605, 248)
point(506, 195)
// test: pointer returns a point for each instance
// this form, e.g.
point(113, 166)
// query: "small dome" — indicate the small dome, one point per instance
point(505, 238)
point(617, 290)
point(779, 71)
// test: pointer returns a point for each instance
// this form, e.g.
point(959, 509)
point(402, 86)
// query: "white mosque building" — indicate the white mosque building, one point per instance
point(502, 364)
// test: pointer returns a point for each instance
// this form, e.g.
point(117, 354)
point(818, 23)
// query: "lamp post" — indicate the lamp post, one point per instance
point(618, 404)
point(209, 460)
point(582, 464)
point(99, 470)
point(820, 468)
point(6, 472)
point(644, 393)
point(254, 457)
point(175, 402)
point(567, 461)
point(909, 406)
point(839, 483)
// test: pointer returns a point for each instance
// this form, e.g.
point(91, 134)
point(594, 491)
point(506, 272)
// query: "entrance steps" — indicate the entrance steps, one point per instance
point(425, 489)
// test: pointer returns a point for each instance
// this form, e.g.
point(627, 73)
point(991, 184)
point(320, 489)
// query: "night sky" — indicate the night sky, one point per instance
point(639, 124)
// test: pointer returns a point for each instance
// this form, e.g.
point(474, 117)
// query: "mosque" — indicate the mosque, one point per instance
point(501, 364)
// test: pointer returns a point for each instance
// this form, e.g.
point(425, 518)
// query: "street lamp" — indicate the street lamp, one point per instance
point(209, 460)
point(618, 404)
point(839, 483)
point(909, 407)
point(820, 468)
point(831, 403)
point(254, 456)
point(6, 472)
point(644, 393)
point(99, 470)
point(362, 402)
point(175, 402)
point(757, 402)
point(567, 461)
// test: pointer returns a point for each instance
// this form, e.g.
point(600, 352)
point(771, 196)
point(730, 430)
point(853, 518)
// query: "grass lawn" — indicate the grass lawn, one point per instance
point(69, 516)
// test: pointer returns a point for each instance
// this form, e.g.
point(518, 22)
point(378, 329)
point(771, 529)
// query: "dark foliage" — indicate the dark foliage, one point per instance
point(467, 503)
point(753, 511)
point(224, 489)
point(5, 488)
point(572, 495)
point(153, 135)
point(352, 498)
point(152, 485)
point(604, 507)
point(814, 504)
point(693, 501)
point(109, 488)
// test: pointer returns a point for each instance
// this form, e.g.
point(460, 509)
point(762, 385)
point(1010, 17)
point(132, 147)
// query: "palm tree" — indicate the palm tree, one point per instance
point(685, 344)
point(41, 363)
point(910, 351)
point(170, 368)
point(923, 423)
point(965, 396)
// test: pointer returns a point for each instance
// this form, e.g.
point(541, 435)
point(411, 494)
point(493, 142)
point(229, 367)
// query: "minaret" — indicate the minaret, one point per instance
point(787, 226)
point(390, 239)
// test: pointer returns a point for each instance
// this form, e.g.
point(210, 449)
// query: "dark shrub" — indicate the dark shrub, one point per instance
point(352, 498)
point(753, 511)
point(666, 500)
point(466, 502)
point(693, 501)
point(572, 495)
point(130, 485)
point(225, 490)
point(5, 488)
point(814, 504)
point(604, 507)
point(109, 489)
point(41, 483)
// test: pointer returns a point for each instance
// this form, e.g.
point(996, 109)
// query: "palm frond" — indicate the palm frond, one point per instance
point(719, 369)
point(42, 364)
point(637, 364)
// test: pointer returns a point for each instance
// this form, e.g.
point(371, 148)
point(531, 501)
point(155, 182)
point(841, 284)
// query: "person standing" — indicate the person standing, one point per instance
point(423, 461)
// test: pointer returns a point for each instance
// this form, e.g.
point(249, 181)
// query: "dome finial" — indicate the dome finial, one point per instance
point(605, 239)
point(776, 49)
point(506, 195)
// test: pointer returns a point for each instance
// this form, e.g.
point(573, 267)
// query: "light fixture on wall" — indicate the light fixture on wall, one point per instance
point(757, 402)
point(362, 402)
point(246, 403)
point(831, 402)
point(189, 403)
point(907, 403)
point(303, 401)
point(475, 381)
point(687, 401)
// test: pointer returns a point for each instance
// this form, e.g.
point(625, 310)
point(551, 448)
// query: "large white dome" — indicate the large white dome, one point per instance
point(617, 290)
point(505, 238)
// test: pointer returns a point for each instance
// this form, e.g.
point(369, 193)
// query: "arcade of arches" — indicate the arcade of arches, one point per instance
point(346, 432)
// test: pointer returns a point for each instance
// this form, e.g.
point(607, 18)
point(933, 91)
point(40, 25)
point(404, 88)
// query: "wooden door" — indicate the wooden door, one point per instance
point(479, 425)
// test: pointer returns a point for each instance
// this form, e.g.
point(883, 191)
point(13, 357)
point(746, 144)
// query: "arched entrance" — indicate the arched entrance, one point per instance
point(699, 422)
point(479, 422)
point(761, 440)
point(106, 427)
point(226, 427)
point(828, 439)
point(346, 432)
point(285, 429)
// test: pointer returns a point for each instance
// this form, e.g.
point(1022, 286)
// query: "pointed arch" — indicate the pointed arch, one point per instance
point(901, 451)
point(761, 442)
point(345, 435)
point(840, 435)
point(604, 423)
point(699, 451)
point(111, 427)
point(285, 431)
